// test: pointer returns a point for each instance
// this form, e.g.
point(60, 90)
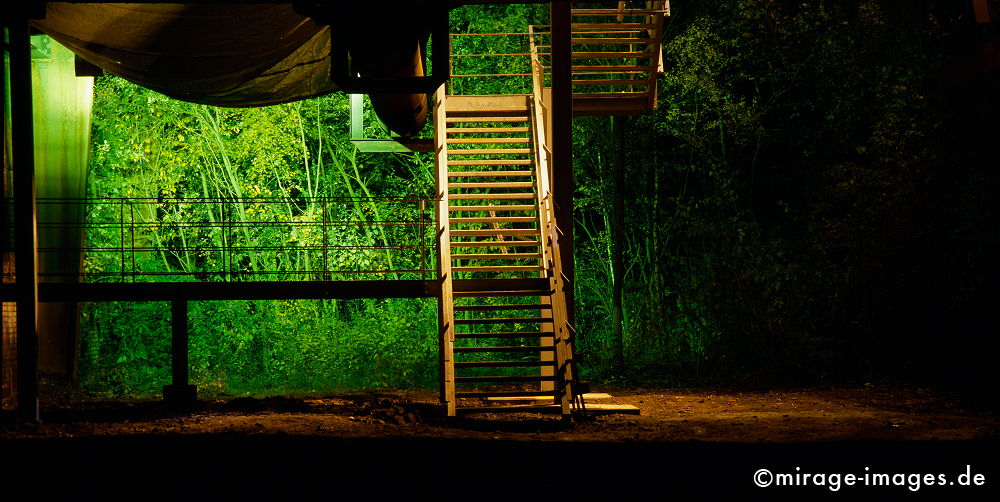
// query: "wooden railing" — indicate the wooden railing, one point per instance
point(446, 304)
point(565, 372)
point(564, 333)
point(616, 54)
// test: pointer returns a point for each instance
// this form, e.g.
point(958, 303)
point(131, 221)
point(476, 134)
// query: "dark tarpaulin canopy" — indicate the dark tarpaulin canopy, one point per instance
point(225, 54)
point(219, 54)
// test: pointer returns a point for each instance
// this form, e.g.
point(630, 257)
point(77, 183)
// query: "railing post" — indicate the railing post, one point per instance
point(131, 210)
point(656, 61)
point(422, 228)
point(227, 251)
point(179, 391)
point(121, 228)
point(326, 243)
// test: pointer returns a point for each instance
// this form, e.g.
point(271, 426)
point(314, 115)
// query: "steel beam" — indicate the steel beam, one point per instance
point(25, 216)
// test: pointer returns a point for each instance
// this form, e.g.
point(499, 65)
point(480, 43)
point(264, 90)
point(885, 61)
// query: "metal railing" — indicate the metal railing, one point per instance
point(239, 239)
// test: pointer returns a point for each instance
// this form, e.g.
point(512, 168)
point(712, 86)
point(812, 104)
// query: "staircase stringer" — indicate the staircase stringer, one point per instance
point(657, 20)
point(552, 264)
point(446, 303)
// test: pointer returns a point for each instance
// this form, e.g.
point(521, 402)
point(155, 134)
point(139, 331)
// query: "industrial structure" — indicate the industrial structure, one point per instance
point(499, 259)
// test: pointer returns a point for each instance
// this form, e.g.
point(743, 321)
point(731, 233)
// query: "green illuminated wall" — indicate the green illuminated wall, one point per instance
point(62, 107)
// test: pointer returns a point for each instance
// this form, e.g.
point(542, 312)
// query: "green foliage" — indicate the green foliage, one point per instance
point(475, 52)
point(798, 209)
point(277, 171)
point(775, 199)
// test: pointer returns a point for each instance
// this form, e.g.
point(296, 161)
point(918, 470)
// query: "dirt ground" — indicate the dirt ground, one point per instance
point(699, 442)
point(866, 413)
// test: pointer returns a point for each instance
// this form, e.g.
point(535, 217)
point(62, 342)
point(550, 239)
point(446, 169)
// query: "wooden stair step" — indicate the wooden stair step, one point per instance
point(507, 306)
point(490, 151)
point(487, 118)
point(496, 219)
point(518, 285)
point(492, 162)
point(493, 184)
point(500, 104)
point(609, 95)
point(587, 82)
point(506, 348)
point(501, 231)
point(486, 141)
point(611, 54)
point(612, 68)
point(503, 320)
point(499, 293)
point(615, 12)
point(506, 334)
point(611, 40)
point(496, 256)
point(521, 408)
point(469, 130)
point(612, 409)
point(499, 268)
point(505, 393)
point(496, 244)
point(492, 196)
point(614, 27)
point(488, 174)
point(501, 207)
point(503, 364)
point(505, 378)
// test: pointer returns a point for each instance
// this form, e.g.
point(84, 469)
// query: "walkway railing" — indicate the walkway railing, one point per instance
point(490, 63)
point(616, 55)
point(240, 239)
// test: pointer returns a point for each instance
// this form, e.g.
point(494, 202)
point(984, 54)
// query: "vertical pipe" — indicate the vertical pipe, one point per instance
point(617, 242)
point(25, 217)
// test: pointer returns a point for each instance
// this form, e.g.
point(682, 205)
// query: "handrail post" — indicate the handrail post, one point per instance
point(179, 391)
point(422, 228)
point(656, 60)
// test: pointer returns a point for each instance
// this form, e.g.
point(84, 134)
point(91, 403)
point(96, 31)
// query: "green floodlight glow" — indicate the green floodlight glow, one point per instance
point(374, 145)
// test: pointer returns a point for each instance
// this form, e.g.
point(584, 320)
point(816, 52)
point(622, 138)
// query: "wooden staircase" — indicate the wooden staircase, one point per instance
point(504, 324)
point(503, 340)
point(616, 55)
point(493, 195)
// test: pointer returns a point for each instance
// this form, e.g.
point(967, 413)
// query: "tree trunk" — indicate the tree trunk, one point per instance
point(617, 245)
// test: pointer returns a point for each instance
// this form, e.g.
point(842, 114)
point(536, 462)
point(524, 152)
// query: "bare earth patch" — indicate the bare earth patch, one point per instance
point(666, 415)
point(696, 441)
